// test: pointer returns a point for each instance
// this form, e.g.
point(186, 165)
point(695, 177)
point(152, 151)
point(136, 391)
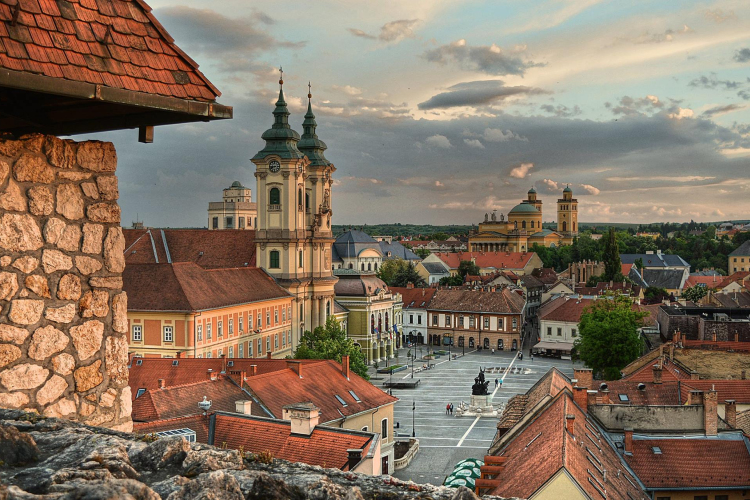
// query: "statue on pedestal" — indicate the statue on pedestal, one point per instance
point(480, 386)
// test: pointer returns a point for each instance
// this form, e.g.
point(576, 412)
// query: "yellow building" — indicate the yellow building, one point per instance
point(236, 210)
point(523, 226)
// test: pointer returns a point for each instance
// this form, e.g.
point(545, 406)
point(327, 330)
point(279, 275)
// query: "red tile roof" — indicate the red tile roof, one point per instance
point(498, 260)
point(182, 400)
point(544, 447)
point(738, 277)
point(325, 447)
point(414, 298)
point(320, 383)
point(209, 249)
point(197, 423)
point(670, 371)
point(185, 286)
point(667, 393)
point(709, 281)
point(738, 390)
point(146, 374)
point(114, 43)
point(551, 384)
point(502, 301)
point(566, 309)
point(696, 462)
point(625, 269)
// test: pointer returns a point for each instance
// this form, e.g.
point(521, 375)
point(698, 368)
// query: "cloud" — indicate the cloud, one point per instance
point(474, 143)
point(664, 178)
point(499, 135)
point(681, 113)
point(548, 186)
point(476, 93)
point(742, 55)
point(522, 170)
point(489, 59)
point(722, 110)
point(394, 31)
point(589, 189)
point(711, 82)
point(668, 35)
point(555, 12)
point(636, 105)
point(347, 89)
point(719, 16)
point(561, 111)
point(232, 43)
point(424, 183)
point(439, 141)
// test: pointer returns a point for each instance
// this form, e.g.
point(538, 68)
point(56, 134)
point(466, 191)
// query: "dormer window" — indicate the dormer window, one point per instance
point(340, 400)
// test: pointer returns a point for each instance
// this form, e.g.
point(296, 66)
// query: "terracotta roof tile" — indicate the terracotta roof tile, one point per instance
point(325, 447)
point(501, 301)
point(415, 298)
point(123, 30)
point(698, 462)
point(197, 423)
point(738, 390)
point(498, 260)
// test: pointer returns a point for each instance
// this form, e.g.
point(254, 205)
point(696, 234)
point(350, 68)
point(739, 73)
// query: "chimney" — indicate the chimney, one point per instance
point(223, 363)
point(345, 366)
point(656, 369)
point(253, 370)
point(694, 375)
point(730, 412)
point(423, 292)
point(591, 397)
point(410, 285)
point(295, 366)
point(244, 406)
point(303, 416)
point(628, 441)
point(676, 337)
point(580, 397)
point(268, 355)
point(569, 421)
point(585, 377)
point(355, 457)
point(710, 412)
point(695, 397)
point(161, 383)
point(743, 375)
point(736, 336)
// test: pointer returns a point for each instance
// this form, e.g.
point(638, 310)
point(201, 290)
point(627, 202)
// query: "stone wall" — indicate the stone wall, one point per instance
point(63, 314)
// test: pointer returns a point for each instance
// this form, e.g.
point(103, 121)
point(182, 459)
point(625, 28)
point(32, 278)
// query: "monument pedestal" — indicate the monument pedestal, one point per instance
point(479, 406)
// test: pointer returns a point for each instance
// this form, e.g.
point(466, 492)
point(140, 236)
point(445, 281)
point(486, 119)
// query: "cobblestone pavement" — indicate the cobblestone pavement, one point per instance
point(444, 439)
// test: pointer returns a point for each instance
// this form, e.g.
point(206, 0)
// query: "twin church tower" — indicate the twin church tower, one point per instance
point(293, 235)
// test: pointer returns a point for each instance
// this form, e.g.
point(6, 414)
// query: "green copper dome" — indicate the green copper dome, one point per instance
point(310, 145)
point(532, 190)
point(280, 139)
point(524, 208)
point(567, 190)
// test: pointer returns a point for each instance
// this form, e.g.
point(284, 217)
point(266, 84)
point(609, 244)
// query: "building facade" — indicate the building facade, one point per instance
point(293, 236)
point(523, 226)
point(739, 259)
point(415, 319)
point(476, 319)
point(236, 210)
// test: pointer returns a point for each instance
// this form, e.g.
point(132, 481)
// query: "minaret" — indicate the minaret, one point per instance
point(567, 215)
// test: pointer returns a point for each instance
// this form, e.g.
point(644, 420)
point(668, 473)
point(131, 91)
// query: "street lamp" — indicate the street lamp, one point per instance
point(413, 429)
point(414, 354)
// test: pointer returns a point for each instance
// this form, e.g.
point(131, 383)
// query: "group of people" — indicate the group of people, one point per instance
point(449, 409)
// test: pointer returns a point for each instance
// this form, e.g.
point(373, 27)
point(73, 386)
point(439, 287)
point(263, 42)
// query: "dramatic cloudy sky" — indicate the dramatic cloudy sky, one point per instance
point(437, 111)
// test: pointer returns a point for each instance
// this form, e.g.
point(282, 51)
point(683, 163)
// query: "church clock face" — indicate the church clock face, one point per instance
point(274, 166)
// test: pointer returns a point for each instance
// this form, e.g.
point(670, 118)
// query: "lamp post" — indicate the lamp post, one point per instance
point(414, 354)
point(413, 429)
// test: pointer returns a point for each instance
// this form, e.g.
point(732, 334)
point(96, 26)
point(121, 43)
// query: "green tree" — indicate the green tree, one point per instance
point(612, 264)
point(654, 295)
point(467, 267)
point(710, 232)
point(608, 336)
point(440, 236)
point(389, 269)
point(695, 293)
point(451, 281)
point(408, 274)
point(331, 342)
point(422, 252)
point(639, 264)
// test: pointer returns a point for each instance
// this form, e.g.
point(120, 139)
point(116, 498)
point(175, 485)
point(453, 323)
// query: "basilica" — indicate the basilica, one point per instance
point(523, 226)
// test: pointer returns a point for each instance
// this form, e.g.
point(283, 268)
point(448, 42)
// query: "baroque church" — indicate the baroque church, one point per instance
point(293, 235)
point(523, 226)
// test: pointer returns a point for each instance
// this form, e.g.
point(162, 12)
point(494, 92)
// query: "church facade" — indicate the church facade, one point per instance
point(523, 226)
point(293, 235)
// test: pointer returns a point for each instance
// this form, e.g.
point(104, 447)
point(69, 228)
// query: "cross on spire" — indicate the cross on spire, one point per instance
point(281, 76)
point(309, 91)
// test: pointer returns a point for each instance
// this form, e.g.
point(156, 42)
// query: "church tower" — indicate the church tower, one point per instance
point(567, 216)
point(293, 238)
point(533, 200)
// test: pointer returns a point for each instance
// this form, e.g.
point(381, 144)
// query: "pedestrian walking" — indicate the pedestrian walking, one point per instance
point(447, 409)
point(451, 408)
point(496, 382)
point(532, 358)
point(493, 350)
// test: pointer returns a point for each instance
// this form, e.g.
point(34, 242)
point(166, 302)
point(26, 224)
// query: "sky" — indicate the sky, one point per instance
point(438, 111)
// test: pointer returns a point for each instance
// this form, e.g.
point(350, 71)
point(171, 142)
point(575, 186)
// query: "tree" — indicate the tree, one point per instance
point(654, 295)
point(639, 264)
point(331, 342)
point(456, 280)
point(612, 264)
point(608, 336)
point(710, 232)
point(695, 293)
point(408, 274)
point(423, 253)
point(440, 236)
point(389, 268)
point(467, 267)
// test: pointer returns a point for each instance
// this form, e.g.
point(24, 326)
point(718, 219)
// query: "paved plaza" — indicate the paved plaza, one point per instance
point(444, 439)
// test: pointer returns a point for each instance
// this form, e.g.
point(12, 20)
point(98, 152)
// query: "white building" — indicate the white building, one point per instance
point(235, 211)
point(414, 313)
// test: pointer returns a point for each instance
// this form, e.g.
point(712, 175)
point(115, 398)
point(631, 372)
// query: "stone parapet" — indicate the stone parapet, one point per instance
point(63, 314)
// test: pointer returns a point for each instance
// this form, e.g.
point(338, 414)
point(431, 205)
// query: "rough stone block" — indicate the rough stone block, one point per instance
point(8, 285)
point(20, 233)
point(8, 354)
point(53, 389)
point(97, 156)
point(13, 399)
point(33, 168)
point(53, 230)
point(70, 201)
point(94, 303)
point(26, 311)
point(69, 287)
point(13, 334)
point(92, 238)
point(55, 260)
point(106, 282)
point(41, 200)
point(26, 376)
point(90, 190)
point(63, 364)
point(88, 377)
point(87, 338)
point(64, 314)
point(38, 285)
point(107, 185)
point(60, 153)
point(87, 265)
point(62, 408)
point(47, 341)
point(70, 239)
point(104, 212)
point(12, 199)
point(116, 358)
point(4, 171)
point(120, 313)
point(114, 250)
point(26, 264)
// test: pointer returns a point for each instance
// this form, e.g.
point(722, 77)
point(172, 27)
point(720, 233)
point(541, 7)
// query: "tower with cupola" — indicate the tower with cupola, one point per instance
point(567, 216)
point(293, 238)
point(533, 200)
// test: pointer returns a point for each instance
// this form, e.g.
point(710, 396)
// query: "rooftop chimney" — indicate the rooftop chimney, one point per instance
point(355, 457)
point(295, 366)
point(244, 406)
point(695, 397)
point(569, 421)
point(268, 355)
point(253, 370)
point(694, 375)
point(585, 377)
point(345, 366)
point(628, 441)
point(304, 417)
point(730, 412)
point(657, 373)
point(710, 412)
point(223, 363)
point(161, 383)
point(581, 397)
point(743, 375)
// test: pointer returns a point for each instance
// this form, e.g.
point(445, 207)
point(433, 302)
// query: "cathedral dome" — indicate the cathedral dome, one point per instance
point(524, 208)
point(359, 285)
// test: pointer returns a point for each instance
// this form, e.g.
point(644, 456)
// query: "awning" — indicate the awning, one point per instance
point(555, 346)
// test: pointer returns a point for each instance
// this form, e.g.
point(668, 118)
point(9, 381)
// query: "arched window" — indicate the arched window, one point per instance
point(372, 323)
point(351, 266)
point(523, 224)
point(369, 266)
point(565, 225)
point(300, 259)
point(363, 266)
point(532, 224)
point(376, 266)
point(274, 259)
point(386, 322)
point(515, 224)
point(299, 198)
point(274, 196)
point(307, 202)
point(380, 323)
point(328, 308)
